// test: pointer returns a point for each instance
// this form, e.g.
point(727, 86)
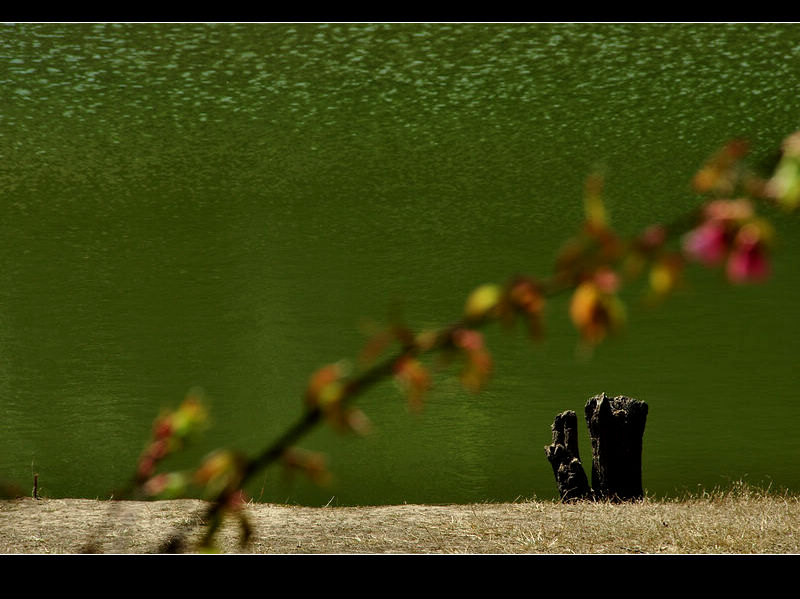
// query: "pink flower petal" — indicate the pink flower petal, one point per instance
point(748, 263)
point(706, 243)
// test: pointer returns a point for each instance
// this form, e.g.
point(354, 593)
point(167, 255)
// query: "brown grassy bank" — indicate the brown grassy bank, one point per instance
point(738, 521)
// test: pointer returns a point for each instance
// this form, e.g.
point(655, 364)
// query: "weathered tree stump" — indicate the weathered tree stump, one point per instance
point(565, 458)
point(616, 427)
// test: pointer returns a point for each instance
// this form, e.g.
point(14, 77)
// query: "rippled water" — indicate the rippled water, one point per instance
point(225, 205)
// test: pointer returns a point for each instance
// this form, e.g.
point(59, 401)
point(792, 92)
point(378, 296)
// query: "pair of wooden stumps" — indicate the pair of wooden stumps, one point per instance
point(616, 428)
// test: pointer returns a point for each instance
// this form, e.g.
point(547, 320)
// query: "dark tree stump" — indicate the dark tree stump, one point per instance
point(616, 426)
point(565, 458)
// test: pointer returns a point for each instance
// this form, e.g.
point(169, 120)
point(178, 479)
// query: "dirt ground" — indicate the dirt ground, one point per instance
point(713, 524)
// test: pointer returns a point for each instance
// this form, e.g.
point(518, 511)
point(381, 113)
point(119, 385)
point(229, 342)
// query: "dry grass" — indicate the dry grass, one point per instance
point(739, 520)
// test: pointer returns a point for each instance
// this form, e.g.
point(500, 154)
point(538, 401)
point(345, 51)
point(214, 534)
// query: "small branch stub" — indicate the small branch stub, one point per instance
point(616, 426)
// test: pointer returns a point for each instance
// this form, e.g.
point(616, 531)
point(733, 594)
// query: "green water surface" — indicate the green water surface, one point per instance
point(227, 205)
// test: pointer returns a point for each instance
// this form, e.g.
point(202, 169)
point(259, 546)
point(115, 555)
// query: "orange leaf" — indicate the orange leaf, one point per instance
point(413, 377)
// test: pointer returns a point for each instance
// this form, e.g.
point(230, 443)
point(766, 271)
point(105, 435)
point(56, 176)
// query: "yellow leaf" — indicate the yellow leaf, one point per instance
point(595, 210)
point(482, 301)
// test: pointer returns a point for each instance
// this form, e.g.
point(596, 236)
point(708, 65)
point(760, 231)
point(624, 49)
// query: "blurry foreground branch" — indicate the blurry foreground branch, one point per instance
point(724, 230)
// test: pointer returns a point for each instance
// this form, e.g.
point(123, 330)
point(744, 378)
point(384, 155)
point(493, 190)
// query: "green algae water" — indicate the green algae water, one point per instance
point(230, 206)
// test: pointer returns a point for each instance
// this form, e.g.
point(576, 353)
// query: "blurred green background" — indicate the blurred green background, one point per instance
point(226, 205)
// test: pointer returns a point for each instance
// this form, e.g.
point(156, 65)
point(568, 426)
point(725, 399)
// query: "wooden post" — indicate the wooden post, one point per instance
point(565, 458)
point(616, 426)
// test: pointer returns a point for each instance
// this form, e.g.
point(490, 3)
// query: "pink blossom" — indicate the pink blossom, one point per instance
point(707, 243)
point(748, 262)
point(468, 339)
point(731, 210)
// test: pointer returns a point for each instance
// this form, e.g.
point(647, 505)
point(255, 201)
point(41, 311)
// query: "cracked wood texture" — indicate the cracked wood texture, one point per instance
point(565, 458)
point(616, 427)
